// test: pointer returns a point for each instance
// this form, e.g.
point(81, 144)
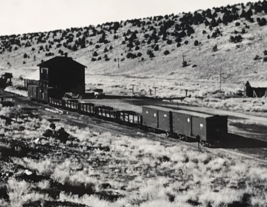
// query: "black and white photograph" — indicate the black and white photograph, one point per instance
point(123, 103)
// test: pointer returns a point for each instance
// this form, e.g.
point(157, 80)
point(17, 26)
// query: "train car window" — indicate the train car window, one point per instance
point(146, 112)
point(201, 125)
point(165, 115)
point(188, 120)
point(155, 114)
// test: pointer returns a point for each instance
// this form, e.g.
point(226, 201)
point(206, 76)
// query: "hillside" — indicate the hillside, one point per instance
point(231, 38)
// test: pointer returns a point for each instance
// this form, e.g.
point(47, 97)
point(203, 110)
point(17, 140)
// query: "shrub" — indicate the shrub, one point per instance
point(93, 59)
point(265, 52)
point(99, 58)
point(186, 42)
point(196, 43)
point(166, 52)
point(178, 44)
point(169, 42)
point(215, 48)
point(150, 53)
point(95, 54)
point(261, 21)
point(237, 24)
point(139, 54)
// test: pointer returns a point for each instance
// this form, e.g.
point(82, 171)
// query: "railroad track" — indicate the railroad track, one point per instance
point(103, 125)
point(133, 132)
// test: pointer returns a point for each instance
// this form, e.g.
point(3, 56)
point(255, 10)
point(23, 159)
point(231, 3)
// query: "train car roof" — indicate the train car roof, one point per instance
point(191, 113)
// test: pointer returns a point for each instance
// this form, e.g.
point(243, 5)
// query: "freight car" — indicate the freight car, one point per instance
point(208, 129)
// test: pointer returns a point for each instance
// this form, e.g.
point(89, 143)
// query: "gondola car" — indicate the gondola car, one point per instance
point(129, 118)
point(105, 112)
point(206, 128)
point(86, 108)
point(71, 104)
point(57, 102)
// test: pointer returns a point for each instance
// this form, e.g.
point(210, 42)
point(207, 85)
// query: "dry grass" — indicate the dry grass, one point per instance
point(146, 173)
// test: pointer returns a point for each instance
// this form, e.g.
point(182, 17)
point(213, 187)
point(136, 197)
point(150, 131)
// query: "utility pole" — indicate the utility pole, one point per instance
point(132, 89)
point(220, 79)
point(184, 64)
point(155, 91)
point(118, 62)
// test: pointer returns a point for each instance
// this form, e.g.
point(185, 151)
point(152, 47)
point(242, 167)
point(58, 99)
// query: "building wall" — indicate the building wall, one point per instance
point(30, 82)
point(68, 79)
point(260, 92)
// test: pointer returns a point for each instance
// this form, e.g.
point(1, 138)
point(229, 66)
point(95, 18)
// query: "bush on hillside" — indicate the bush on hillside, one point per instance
point(150, 53)
point(261, 21)
point(95, 54)
point(166, 52)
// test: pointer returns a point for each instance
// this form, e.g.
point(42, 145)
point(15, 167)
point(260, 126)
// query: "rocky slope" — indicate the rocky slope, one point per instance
point(187, 46)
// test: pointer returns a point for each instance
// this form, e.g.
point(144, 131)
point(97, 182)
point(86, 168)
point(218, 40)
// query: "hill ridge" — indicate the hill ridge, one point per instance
point(187, 46)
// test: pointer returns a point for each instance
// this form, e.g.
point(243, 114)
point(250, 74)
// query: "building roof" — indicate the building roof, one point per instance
point(257, 84)
point(33, 76)
point(60, 61)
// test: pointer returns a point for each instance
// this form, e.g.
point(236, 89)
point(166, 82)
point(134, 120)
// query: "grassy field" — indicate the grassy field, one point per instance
point(105, 169)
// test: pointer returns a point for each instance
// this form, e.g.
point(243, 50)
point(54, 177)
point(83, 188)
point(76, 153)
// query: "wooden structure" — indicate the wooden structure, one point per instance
point(61, 74)
point(256, 89)
point(32, 79)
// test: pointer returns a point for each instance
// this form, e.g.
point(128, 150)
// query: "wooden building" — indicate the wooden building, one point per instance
point(32, 79)
point(256, 89)
point(62, 74)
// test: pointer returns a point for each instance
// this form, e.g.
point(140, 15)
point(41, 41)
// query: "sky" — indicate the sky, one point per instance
point(25, 16)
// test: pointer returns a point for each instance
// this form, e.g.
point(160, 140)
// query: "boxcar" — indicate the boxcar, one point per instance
point(129, 118)
point(208, 128)
point(86, 108)
point(105, 112)
point(150, 117)
point(158, 118)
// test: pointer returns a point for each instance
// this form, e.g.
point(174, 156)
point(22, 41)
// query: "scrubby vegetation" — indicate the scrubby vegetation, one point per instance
point(231, 27)
point(103, 169)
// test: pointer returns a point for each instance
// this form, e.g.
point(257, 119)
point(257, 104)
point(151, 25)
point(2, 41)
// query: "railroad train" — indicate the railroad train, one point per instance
point(208, 129)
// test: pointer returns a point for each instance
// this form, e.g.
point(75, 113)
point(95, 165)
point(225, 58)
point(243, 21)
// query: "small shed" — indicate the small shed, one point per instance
point(32, 79)
point(256, 89)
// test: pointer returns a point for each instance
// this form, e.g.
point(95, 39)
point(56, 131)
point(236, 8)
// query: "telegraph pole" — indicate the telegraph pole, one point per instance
point(132, 89)
point(220, 79)
point(155, 91)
